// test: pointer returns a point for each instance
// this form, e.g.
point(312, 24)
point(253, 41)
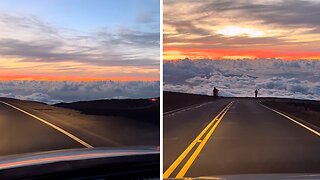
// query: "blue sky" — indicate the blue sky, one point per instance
point(98, 48)
point(80, 40)
point(87, 15)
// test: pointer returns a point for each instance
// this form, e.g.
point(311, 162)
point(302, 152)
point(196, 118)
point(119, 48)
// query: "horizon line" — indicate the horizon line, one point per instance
point(76, 79)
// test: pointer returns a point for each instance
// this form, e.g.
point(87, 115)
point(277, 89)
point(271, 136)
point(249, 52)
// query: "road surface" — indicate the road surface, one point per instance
point(22, 133)
point(236, 136)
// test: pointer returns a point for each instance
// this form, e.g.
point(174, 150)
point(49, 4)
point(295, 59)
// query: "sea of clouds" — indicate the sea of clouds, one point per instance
point(298, 79)
point(52, 92)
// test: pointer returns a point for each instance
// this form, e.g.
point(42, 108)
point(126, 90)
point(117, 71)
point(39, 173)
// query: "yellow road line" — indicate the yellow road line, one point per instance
point(176, 163)
point(293, 120)
point(186, 167)
point(51, 125)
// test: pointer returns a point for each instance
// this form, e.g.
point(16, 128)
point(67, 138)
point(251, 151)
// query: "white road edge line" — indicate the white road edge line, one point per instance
point(295, 121)
point(87, 145)
point(182, 109)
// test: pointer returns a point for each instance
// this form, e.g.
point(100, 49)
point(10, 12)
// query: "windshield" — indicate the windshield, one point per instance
point(79, 74)
point(241, 88)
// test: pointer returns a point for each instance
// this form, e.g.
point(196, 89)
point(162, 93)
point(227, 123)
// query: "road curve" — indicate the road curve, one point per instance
point(249, 139)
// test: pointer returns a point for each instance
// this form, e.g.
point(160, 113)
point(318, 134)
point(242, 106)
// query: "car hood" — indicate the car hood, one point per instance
point(294, 176)
point(75, 163)
point(30, 159)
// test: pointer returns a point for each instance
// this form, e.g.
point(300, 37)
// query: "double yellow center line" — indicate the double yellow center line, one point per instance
point(209, 129)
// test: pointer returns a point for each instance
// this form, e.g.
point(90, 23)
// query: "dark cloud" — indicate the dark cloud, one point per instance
point(33, 40)
point(220, 41)
point(47, 52)
point(37, 50)
point(185, 27)
point(130, 37)
point(286, 12)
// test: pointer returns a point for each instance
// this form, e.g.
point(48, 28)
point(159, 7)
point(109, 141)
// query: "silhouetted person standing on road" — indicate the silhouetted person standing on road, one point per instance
point(215, 92)
point(256, 93)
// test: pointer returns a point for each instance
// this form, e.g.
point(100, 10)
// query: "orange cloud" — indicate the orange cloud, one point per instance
point(171, 53)
point(250, 29)
point(73, 78)
point(13, 69)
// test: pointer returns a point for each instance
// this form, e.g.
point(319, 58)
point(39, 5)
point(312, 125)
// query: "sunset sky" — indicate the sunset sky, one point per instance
point(228, 29)
point(71, 40)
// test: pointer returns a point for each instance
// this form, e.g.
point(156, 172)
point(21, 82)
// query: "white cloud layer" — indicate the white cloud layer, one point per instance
point(52, 92)
point(239, 78)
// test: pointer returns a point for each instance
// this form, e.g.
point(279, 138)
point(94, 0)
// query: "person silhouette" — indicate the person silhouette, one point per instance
point(215, 92)
point(256, 93)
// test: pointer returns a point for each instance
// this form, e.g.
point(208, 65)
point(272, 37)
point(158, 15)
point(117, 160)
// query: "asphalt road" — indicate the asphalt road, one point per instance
point(246, 138)
point(21, 133)
point(27, 127)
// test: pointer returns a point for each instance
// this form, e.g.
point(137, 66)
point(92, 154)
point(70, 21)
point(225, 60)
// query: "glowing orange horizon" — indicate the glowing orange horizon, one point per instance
point(74, 78)
point(171, 53)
